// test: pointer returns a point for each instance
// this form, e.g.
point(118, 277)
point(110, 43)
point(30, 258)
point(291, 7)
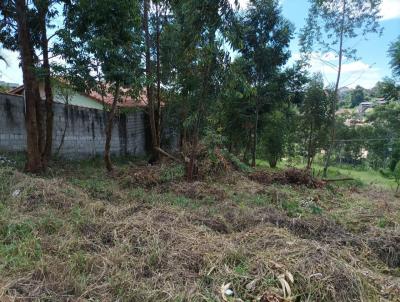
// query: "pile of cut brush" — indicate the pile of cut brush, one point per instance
point(290, 176)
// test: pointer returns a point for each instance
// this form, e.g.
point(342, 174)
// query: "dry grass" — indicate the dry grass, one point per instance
point(64, 240)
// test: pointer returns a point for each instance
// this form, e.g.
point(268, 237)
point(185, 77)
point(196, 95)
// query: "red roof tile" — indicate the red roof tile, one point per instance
point(126, 101)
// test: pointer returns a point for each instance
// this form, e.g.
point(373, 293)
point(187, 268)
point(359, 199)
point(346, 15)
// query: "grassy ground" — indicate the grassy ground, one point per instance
point(144, 234)
point(365, 176)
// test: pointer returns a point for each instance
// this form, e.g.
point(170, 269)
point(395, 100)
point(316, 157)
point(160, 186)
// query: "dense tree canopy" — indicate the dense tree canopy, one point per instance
point(207, 69)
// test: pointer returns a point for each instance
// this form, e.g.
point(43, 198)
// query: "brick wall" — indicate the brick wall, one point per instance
point(84, 130)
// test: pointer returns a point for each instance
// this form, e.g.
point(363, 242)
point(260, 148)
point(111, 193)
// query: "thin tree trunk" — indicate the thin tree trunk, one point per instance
point(149, 86)
point(48, 95)
point(254, 153)
point(158, 51)
point(249, 143)
point(309, 155)
point(110, 123)
point(273, 162)
point(336, 94)
point(65, 128)
point(40, 123)
point(32, 96)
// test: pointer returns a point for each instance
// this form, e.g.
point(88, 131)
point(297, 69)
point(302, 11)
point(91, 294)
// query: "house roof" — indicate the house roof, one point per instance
point(126, 100)
point(10, 94)
point(17, 90)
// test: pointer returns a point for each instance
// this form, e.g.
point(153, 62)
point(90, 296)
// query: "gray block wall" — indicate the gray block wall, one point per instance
point(84, 130)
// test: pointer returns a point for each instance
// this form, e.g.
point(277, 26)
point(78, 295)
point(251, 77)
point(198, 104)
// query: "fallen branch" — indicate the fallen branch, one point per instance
point(168, 155)
point(338, 179)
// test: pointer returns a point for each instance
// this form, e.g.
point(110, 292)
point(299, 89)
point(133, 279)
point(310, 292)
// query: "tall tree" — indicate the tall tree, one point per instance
point(394, 53)
point(388, 88)
point(102, 51)
point(314, 118)
point(44, 14)
point(196, 58)
point(357, 96)
point(331, 26)
point(234, 109)
point(386, 119)
point(155, 137)
point(266, 38)
point(31, 20)
point(17, 33)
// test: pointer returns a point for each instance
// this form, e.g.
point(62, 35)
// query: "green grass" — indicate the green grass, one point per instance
point(19, 246)
point(366, 177)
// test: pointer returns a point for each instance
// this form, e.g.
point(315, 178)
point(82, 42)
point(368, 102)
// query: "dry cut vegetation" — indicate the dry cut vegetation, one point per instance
point(144, 234)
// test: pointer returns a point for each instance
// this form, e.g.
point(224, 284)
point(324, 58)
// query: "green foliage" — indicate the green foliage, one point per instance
point(274, 136)
point(102, 48)
point(396, 174)
point(328, 20)
point(385, 124)
point(241, 166)
point(394, 156)
point(394, 53)
point(357, 96)
point(315, 118)
point(388, 88)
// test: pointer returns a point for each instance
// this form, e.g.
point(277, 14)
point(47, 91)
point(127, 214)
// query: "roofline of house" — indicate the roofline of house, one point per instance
point(19, 89)
point(16, 90)
point(9, 93)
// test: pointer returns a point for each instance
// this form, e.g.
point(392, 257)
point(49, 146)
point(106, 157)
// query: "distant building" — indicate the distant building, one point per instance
point(381, 101)
point(364, 106)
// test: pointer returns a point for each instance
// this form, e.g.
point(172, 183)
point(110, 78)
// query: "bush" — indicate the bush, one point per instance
point(397, 175)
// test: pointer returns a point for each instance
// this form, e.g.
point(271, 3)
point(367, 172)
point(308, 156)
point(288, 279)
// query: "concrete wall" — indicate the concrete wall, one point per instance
point(84, 130)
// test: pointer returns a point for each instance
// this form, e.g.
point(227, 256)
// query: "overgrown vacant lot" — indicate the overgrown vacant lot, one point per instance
point(144, 234)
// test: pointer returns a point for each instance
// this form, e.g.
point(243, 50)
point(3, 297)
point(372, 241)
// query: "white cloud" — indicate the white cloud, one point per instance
point(390, 9)
point(353, 73)
point(11, 72)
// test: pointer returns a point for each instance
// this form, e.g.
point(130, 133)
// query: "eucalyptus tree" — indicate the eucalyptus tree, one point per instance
point(394, 53)
point(45, 13)
point(314, 117)
point(23, 28)
point(265, 46)
point(385, 119)
point(196, 60)
point(154, 125)
point(332, 26)
point(234, 109)
point(101, 46)
point(389, 89)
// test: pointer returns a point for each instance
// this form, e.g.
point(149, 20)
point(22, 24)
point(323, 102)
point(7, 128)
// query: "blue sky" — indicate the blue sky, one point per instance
point(374, 62)
point(372, 67)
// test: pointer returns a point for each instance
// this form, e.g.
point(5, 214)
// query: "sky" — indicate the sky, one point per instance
point(372, 67)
